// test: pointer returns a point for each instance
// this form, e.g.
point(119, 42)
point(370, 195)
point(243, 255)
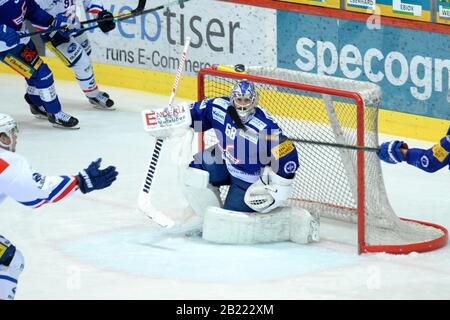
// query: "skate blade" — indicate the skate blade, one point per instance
point(37, 116)
point(104, 108)
point(65, 128)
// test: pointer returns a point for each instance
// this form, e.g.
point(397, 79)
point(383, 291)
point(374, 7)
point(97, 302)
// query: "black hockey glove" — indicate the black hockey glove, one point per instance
point(106, 22)
point(94, 178)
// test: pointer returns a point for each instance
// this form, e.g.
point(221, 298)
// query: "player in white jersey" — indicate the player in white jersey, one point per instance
point(75, 50)
point(30, 188)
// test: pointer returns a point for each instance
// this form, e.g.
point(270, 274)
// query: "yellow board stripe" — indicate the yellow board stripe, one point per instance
point(390, 122)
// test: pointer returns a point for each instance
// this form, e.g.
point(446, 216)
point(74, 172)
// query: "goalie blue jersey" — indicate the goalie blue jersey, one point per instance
point(432, 159)
point(245, 153)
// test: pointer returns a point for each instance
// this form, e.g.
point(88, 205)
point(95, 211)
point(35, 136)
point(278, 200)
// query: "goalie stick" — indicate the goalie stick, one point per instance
point(144, 202)
point(120, 17)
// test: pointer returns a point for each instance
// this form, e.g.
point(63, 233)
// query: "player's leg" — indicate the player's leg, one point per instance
point(206, 173)
point(210, 160)
point(41, 92)
point(75, 55)
point(42, 82)
point(11, 266)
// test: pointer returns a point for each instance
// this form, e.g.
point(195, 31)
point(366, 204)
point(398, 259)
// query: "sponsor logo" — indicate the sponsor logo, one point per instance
point(367, 4)
point(257, 123)
point(250, 135)
point(425, 161)
point(72, 48)
point(220, 102)
point(218, 115)
point(19, 20)
point(290, 167)
point(375, 65)
point(439, 152)
point(282, 149)
point(39, 179)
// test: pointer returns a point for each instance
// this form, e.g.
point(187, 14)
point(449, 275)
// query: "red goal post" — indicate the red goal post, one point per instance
point(330, 110)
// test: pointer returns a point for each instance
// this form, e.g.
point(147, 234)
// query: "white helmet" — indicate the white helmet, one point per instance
point(7, 126)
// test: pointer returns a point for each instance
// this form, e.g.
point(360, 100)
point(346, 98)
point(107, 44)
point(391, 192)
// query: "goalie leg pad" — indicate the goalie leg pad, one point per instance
point(304, 226)
point(283, 224)
point(198, 192)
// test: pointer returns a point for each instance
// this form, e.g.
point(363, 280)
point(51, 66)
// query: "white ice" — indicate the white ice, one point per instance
point(99, 246)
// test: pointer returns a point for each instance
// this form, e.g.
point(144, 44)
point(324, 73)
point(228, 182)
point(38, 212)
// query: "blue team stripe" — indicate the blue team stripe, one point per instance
point(66, 181)
point(8, 279)
point(32, 203)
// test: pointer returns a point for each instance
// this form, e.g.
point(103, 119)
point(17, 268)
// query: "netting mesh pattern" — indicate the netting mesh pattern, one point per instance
point(326, 181)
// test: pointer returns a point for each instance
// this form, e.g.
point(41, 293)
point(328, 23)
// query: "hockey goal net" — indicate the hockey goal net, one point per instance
point(340, 176)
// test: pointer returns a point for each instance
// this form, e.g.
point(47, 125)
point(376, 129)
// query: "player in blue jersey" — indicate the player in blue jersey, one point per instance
point(75, 51)
point(252, 149)
point(429, 160)
point(32, 189)
point(21, 55)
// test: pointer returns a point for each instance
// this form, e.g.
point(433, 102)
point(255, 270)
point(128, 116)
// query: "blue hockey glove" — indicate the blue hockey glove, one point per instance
point(94, 178)
point(9, 35)
point(63, 25)
point(107, 22)
point(390, 151)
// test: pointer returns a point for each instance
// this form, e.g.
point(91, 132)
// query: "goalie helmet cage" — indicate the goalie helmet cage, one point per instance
point(337, 183)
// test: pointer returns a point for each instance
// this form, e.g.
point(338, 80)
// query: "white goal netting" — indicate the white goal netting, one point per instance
point(324, 109)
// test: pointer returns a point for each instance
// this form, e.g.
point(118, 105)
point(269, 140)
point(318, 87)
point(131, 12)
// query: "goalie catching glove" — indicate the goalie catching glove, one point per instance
point(93, 178)
point(269, 192)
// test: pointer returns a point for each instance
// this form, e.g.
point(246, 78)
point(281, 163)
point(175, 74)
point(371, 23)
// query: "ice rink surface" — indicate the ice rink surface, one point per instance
point(99, 246)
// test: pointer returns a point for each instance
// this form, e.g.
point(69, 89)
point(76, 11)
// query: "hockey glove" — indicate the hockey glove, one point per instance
point(269, 192)
point(64, 27)
point(94, 178)
point(390, 151)
point(9, 36)
point(106, 22)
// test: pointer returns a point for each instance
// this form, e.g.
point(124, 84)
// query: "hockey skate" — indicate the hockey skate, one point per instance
point(102, 101)
point(38, 111)
point(63, 120)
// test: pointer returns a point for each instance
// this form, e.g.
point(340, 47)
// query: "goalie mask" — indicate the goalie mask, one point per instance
point(244, 99)
point(9, 127)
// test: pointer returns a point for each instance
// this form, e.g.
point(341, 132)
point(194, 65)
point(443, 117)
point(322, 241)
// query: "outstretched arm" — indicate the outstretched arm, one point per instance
point(19, 181)
point(429, 160)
